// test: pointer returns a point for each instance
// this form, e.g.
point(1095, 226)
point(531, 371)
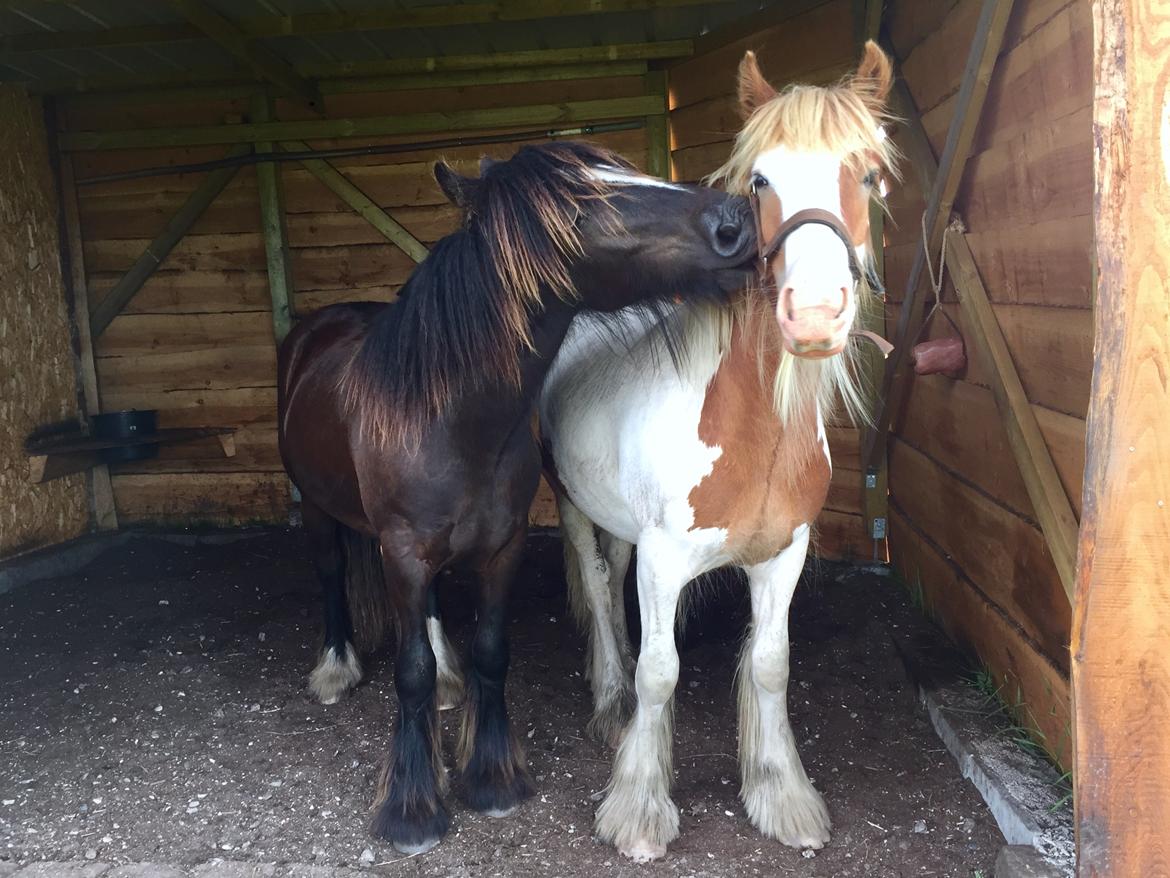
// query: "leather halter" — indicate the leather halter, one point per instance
point(809, 216)
point(817, 216)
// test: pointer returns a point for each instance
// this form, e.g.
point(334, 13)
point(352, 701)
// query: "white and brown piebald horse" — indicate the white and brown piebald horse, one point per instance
point(721, 457)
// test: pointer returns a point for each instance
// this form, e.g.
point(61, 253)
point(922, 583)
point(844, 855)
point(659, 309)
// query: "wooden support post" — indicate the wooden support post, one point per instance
point(131, 282)
point(658, 128)
point(263, 61)
point(1121, 624)
point(105, 516)
point(985, 47)
point(1042, 481)
point(344, 189)
point(874, 473)
point(273, 222)
point(551, 115)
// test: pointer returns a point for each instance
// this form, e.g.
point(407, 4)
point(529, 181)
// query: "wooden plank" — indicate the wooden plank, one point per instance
point(312, 24)
point(1035, 688)
point(225, 368)
point(956, 424)
point(800, 39)
point(840, 536)
point(1002, 553)
point(272, 224)
point(162, 244)
point(341, 186)
point(1121, 668)
point(105, 516)
point(535, 115)
point(264, 62)
point(658, 133)
point(1053, 510)
point(984, 50)
point(225, 499)
point(139, 334)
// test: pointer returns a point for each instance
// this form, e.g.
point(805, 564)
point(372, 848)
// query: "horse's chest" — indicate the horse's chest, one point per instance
point(768, 478)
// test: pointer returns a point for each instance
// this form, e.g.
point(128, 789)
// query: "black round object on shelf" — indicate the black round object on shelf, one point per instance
point(126, 425)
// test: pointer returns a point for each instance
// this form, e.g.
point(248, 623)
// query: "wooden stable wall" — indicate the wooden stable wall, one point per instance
point(197, 341)
point(38, 376)
point(796, 42)
point(962, 526)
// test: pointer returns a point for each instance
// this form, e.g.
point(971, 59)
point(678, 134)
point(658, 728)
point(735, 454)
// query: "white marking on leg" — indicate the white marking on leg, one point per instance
point(778, 796)
point(638, 815)
point(449, 684)
point(334, 676)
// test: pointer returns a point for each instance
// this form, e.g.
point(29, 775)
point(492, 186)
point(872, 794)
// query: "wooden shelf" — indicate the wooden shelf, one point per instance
point(61, 455)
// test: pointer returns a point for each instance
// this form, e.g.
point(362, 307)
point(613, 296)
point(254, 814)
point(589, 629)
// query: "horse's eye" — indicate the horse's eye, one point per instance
point(759, 181)
point(871, 179)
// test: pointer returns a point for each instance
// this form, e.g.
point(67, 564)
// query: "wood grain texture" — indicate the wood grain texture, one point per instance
point(999, 551)
point(1121, 667)
point(1036, 690)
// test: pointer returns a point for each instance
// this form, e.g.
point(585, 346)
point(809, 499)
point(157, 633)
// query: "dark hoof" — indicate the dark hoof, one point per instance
point(496, 796)
point(409, 833)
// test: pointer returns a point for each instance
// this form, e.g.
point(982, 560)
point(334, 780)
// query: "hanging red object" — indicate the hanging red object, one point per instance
point(945, 356)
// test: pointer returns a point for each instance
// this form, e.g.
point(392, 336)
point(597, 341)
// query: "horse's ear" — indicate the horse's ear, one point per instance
point(485, 164)
point(754, 90)
point(459, 190)
point(874, 76)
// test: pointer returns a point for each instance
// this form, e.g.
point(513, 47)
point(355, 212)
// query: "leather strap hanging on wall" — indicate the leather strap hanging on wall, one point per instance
point(948, 355)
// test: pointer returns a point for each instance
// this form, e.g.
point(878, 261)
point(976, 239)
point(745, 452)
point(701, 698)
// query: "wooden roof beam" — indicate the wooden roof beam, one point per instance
point(341, 22)
point(263, 61)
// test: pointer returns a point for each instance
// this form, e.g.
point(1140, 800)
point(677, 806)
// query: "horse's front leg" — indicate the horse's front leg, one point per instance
point(409, 812)
point(778, 795)
point(638, 815)
point(494, 773)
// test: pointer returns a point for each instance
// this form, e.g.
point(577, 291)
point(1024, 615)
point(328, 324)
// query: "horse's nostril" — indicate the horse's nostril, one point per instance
point(728, 233)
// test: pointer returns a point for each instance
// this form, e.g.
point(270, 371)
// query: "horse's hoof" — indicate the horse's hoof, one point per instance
point(413, 850)
point(644, 851)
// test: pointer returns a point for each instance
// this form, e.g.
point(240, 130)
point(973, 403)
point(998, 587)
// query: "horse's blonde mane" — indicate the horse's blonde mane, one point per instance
point(844, 119)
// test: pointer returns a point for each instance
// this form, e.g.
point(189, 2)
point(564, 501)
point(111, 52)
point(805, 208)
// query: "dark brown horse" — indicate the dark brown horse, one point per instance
point(408, 429)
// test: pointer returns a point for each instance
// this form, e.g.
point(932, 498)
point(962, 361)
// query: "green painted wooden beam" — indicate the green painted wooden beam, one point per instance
point(220, 84)
point(275, 228)
point(658, 128)
point(374, 126)
point(343, 188)
point(131, 282)
point(265, 63)
point(342, 22)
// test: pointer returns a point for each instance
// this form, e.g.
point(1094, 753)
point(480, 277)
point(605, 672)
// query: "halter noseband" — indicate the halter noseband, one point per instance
point(817, 216)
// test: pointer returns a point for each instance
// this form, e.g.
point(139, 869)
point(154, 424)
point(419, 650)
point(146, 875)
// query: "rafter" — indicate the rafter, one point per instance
point(341, 22)
point(265, 63)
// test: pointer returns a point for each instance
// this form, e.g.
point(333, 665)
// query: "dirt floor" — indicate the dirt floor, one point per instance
point(153, 708)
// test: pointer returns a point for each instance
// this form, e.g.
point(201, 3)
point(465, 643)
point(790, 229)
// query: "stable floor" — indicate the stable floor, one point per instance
point(153, 709)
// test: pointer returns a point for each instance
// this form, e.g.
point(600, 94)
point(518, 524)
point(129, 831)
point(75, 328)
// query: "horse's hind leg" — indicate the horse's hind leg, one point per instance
point(338, 670)
point(638, 815)
point(494, 774)
point(777, 794)
point(591, 594)
point(410, 812)
point(449, 685)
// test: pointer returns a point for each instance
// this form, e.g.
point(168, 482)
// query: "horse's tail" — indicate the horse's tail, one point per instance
point(365, 587)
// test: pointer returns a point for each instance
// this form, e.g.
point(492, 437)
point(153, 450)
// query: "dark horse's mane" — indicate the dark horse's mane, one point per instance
point(462, 320)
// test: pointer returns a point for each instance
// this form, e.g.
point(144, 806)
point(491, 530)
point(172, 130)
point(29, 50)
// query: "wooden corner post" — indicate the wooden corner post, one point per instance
point(1121, 624)
point(658, 128)
point(273, 222)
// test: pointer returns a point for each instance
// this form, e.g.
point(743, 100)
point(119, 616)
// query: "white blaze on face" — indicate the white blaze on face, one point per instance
point(815, 263)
